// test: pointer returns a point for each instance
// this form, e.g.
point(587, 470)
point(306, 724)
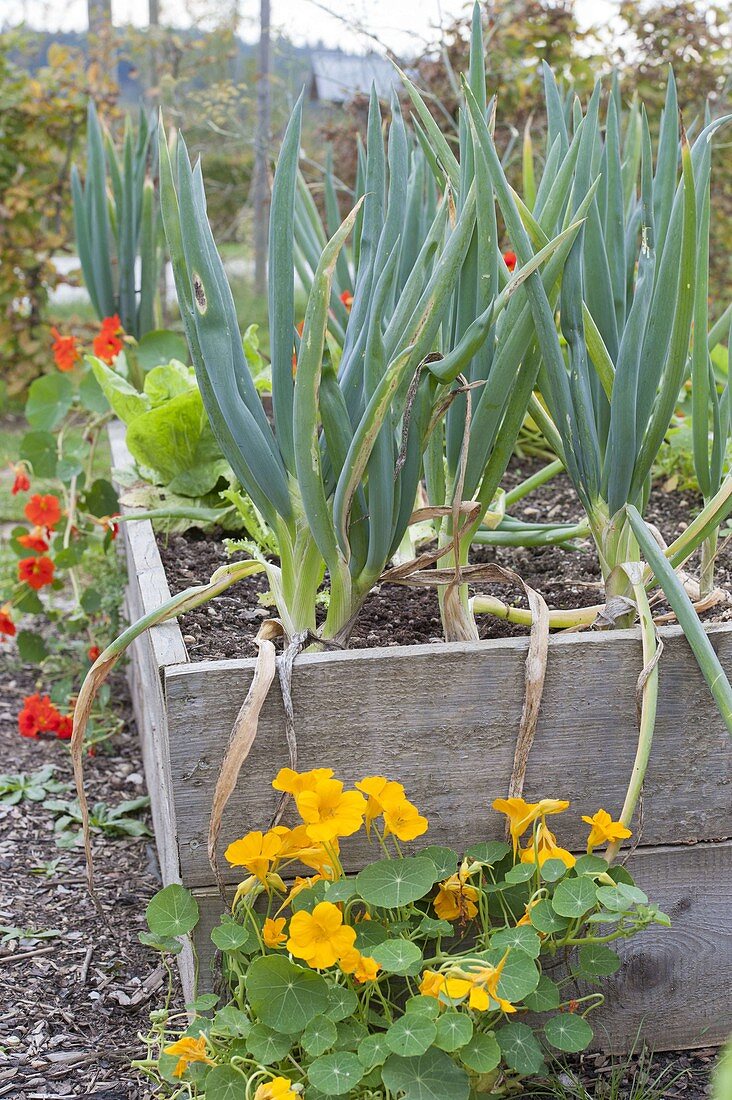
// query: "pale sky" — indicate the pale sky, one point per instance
point(405, 26)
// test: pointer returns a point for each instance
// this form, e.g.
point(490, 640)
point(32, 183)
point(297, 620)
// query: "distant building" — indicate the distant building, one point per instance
point(337, 77)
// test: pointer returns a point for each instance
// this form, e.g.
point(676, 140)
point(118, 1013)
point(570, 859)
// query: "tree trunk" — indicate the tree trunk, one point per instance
point(260, 184)
point(101, 36)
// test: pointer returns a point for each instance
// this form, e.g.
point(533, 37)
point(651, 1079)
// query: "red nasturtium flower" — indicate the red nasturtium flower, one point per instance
point(93, 652)
point(34, 541)
point(347, 299)
point(22, 481)
point(38, 715)
point(509, 259)
point(65, 727)
point(65, 351)
point(7, 626)
point(37, 572)
point(43, 511)
point(107, 343)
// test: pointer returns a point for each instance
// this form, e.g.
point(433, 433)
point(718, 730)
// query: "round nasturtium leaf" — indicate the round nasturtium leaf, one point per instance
point(411, 1035)
point(522, 937)
point(489, 852)
point(520, 1048)
point(432, 1076)
point(454, 1030)
point(596, 960)
point(172, 912)
point(444, 859)
point(553, 869)
point(397, 956)
point(350, 1034)
point(336, 1074)
point(41, 451)
point(373, 1051)
point(519, 976)
point(342, 1003)
point(231, 1022)
point(545, 997)
point(481, 1054)
point(284, 996)
point(49, 399)
point(574, 896)
point(225, 1083)
point(266, 1045)
point(429, 1006)
point(320, 1035)
point(391, 883)
point(544, 919)
point(230, 936)
point(568, 1032)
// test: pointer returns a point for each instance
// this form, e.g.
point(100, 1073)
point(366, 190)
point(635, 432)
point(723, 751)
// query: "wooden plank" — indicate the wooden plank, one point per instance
point(443, 720)
point(672, 990)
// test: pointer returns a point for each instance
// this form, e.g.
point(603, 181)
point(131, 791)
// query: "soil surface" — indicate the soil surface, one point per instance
point(73, 1002)
point(398, 615)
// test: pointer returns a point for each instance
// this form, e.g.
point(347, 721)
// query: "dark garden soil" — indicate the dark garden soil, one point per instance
point(73, 1003)
point(398, 615)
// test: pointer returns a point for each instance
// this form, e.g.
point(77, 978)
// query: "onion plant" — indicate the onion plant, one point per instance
point(628, 297)
point(357, 396)
point(116, 223)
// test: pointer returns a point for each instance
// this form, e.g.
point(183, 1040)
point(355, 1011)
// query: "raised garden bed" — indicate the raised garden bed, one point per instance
point(443, 720)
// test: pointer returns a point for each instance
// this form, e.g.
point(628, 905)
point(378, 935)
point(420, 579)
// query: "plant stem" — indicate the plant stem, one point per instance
point(534, 482)
point(649, 702)
point(558, 619)
point(708, 558)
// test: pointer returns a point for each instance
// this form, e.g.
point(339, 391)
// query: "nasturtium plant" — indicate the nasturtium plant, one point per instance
point(413, 979)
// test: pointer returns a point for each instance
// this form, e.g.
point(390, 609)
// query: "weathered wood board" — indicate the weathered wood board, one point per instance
point(674, 986)
point(443, 719)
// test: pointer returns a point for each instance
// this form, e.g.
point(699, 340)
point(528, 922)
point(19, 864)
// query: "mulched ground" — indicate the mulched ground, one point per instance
point(72, 1005)
point(397, 615)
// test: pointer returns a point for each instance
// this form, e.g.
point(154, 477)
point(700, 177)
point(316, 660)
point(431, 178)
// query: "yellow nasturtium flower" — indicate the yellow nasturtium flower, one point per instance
point(297, 846)
point(330, 812)
point(378, 790)
point(432, 984)
point(188, 1050)
point(292, 782)
point(273, 932)
point(604, 830)
point(279, 1088)
point(522, 814)
point(404, 820)
point(256, 851)
point(320, 937)
point(546, 848)
point(485, 988)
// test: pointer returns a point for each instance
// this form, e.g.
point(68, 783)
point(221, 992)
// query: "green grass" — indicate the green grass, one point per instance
point(638, 1077)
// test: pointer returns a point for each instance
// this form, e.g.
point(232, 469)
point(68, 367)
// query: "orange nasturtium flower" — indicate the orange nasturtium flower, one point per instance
point(509, 259)
point(7, 626)
point(36, 572)
point(273, 932)
point(432, 984)
point(604, 830)
point(320, 937)
point(189, 1050)
point(522, 814)
point(329, 812)
point(456, 898)
point(279, 1088)
point(43, 511)
point(256, 851)
point(546, 848)
point(347, 299)
point(107, 343)
point(38, 715)
point(65, 350)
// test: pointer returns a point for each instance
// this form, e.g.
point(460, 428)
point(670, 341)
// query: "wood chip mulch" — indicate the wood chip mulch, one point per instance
point(72, 1004)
